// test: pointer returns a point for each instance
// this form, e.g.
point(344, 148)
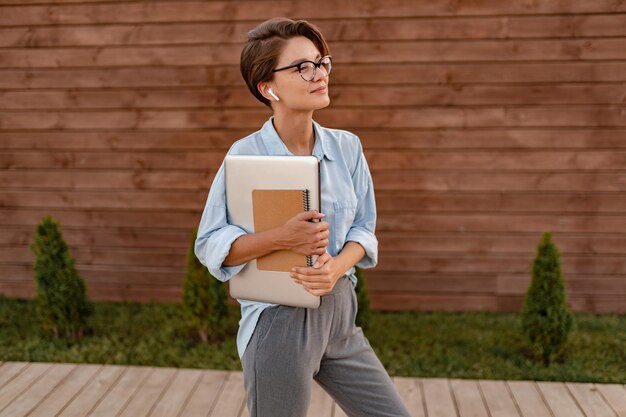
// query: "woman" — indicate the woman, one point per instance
point(286, 65)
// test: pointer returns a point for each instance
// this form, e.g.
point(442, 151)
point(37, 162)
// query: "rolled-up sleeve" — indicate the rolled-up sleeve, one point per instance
point(363, 228)
point(215, 234)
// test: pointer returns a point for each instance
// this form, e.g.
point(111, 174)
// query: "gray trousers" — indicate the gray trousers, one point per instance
point(292, 346)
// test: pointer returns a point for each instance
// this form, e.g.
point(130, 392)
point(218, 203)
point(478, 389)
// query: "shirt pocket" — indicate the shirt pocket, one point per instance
point(344, 213)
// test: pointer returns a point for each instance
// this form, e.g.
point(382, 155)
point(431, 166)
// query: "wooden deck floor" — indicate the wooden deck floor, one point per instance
point(74, 390)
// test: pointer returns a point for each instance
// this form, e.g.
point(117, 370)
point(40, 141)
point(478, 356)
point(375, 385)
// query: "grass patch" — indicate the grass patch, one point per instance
point(417, 344)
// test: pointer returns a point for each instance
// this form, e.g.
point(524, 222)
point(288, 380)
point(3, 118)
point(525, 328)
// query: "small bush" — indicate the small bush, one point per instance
point(546, 320)
point(363, 313)
point(61, 299)
point(205, 298)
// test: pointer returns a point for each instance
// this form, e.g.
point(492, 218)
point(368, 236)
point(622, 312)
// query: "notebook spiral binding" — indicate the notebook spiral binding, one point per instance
point(306, 200)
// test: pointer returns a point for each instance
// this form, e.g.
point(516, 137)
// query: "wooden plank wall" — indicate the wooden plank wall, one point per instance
point(485, 123)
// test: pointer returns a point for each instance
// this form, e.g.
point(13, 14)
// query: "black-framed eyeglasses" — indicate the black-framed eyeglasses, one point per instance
point(307, 69)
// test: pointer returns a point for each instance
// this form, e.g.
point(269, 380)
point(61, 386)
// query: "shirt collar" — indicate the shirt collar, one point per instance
point(276, 146)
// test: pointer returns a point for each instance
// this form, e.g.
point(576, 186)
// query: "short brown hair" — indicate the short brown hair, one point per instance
point(265, 43)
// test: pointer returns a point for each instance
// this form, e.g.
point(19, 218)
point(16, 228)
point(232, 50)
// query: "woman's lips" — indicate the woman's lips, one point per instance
point(319, 90)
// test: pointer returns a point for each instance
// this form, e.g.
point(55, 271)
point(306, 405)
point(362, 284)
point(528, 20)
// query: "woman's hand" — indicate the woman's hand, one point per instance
point(303, 236)
point(322, 277)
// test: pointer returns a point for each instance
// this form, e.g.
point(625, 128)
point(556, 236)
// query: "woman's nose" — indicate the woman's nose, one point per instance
point(320, 73)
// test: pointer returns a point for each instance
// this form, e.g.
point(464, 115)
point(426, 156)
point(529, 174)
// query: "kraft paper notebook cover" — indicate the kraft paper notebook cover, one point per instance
point(272, 208)
point(264, 176)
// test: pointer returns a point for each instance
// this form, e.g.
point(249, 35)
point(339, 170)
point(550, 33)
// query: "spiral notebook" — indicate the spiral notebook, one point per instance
point(285, 204)
point(263, 192)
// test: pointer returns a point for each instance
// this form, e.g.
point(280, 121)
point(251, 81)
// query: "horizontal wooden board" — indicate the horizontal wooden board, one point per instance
point(425, 243)
point(375, 74)
point(389, 242)
point(510, 223)
point(418, 118)
point(156, 219)
point(192, 11)
point(576, 284)
point(378, 160)
point(163, 266)
point(113, 275)
point(456, 139)
point(107, 77)
point(386, 183)
point(462, 302)
point(116, 199)
point(459, 27)
point(105, 257)
point(220, 139)
point(199, 180)
point(496, 160)
point(472, 263)
point(350, 52)
point(167, 219)
point(112, 160)
point(500, 202)
point(387, 202)
point(598, 304)
point(341, 96)
point(118, 237)
point(504, 181)
point(130, 293)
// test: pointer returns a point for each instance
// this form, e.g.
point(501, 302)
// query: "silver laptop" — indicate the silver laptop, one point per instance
point(245, 173)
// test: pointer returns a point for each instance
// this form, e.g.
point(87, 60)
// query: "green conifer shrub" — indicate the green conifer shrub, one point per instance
point(363, 314)
point(546, 319)
point(61, 298)
point(205, 298)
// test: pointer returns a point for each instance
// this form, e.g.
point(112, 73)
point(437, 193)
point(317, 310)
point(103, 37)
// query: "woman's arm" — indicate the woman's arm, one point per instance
point(298, 234)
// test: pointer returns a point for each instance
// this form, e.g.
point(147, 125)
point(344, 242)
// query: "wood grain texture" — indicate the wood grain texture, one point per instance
point(171, 392)
point(484, 124)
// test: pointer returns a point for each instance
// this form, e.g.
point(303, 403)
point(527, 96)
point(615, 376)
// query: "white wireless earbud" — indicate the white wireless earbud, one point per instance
point(272, 94)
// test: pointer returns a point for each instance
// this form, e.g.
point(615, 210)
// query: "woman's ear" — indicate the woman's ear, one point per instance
point(266, 90)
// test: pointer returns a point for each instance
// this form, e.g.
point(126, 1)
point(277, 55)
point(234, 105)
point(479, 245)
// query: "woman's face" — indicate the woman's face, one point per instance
point(292, 90)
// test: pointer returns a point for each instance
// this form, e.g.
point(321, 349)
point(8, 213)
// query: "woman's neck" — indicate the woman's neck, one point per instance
point(296, 132)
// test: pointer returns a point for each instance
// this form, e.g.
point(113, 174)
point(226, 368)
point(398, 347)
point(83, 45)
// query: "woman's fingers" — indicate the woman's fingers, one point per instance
point(322, 259)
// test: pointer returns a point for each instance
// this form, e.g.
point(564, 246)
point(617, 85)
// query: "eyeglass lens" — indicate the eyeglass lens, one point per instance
point(308, 69)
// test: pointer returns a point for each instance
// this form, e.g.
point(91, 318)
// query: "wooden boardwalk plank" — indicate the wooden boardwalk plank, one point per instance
point(205, 393)
point(149, 393)
point(528, 399)
point(498, 399)
point(9, 370)
point(590, 400)
point(88, 398)
point(615, 395)
point(439, 400)
point(173, 399)
point(31, 397)
point(21, 383)
point(232, 397)
point(66, 390)
point(468, 398)
point(410, 389)
point(559, 399)
point(121, 392)
point(82, 390)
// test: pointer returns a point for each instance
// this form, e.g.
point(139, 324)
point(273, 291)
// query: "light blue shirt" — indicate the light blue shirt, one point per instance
point(347, 197)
